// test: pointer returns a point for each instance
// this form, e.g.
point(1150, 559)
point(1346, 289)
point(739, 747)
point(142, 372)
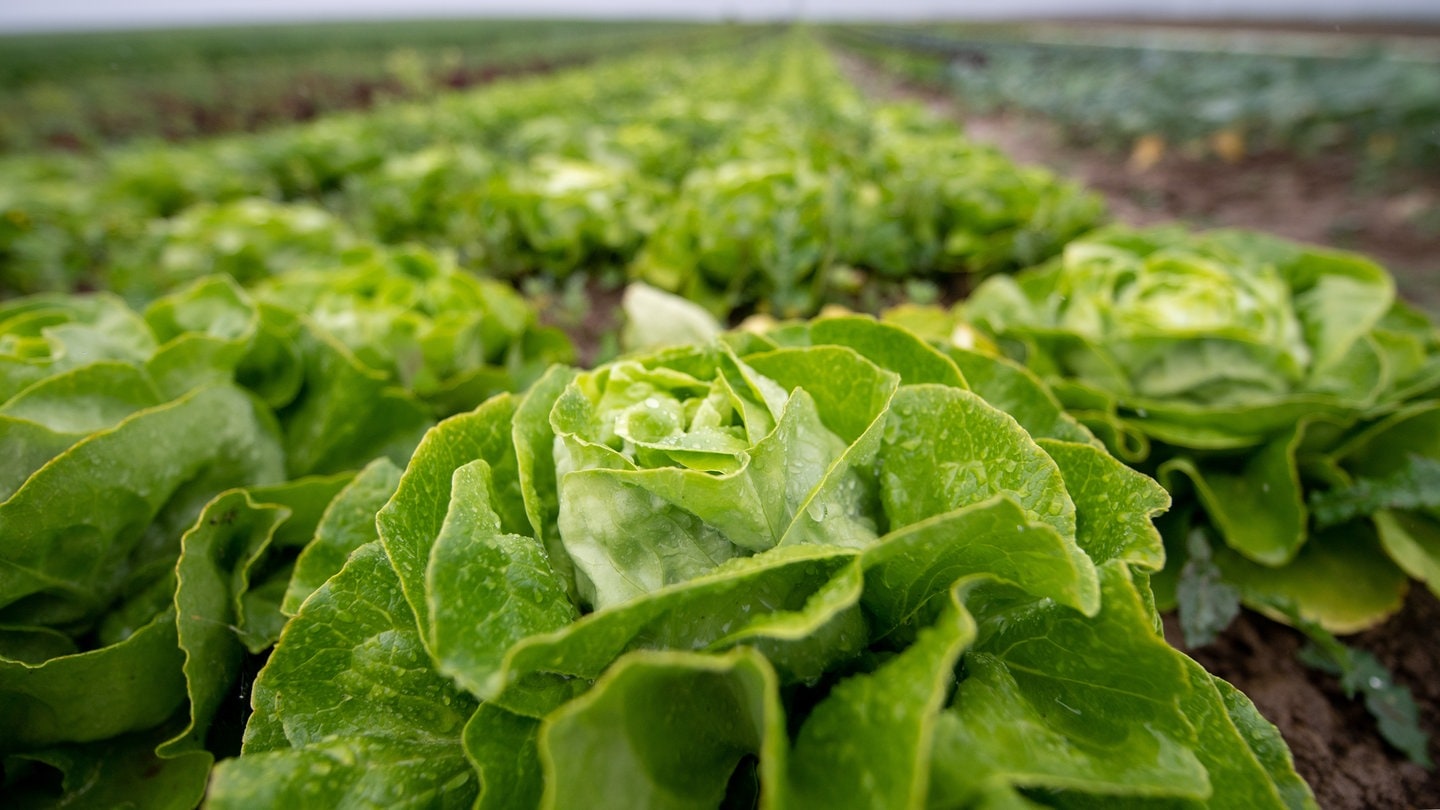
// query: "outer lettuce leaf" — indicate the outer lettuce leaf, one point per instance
point(260, 581)
point(1017, 391)
point(934, 460)
point(228, 538)
point(1259, 508)
point(1264, 739)
point(121, 771)
point(1413, 542)
point(347, 524)
point(780, 595)
point(1114, 505)
point(30, 446)
point(238, 536)
point(1402, 451)
point(1342, 580)
point(356, 635)
point(535, 460)
point(53, 701)
point(891, 348)
point(617, 746)
point(869, 743)
point(189, 447)
point(503, 748)
point(504, 580)
point(91, 398)
point(1031, 714)
point(996, 538)
point(410, 523)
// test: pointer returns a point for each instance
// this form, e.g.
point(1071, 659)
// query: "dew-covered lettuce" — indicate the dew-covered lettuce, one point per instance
point(449, 338)
point(788, 222)
point(1253, 376)
point(162, 471)
point(815, 568)
point(248, 239)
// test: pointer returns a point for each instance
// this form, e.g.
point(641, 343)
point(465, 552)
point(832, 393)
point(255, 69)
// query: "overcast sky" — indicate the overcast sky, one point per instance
point(20, 15)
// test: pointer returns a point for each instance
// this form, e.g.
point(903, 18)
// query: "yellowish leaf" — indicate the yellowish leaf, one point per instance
point(1148, 151)
point(1229, 144)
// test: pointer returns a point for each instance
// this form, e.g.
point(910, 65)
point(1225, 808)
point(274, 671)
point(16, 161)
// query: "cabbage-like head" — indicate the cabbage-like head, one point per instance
point(816, 568)
point(1213, 339)
point(1269, 373)
point(716, 456)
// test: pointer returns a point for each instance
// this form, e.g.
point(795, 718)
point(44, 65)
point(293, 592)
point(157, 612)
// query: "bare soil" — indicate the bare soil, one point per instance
point(1336, 746)
point(1325, 200)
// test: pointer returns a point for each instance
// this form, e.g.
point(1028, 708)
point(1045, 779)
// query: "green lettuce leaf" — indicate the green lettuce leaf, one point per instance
point(395, 738)
point(617, 746)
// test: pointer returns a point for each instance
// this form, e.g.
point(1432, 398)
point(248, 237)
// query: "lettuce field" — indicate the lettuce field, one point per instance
point(678, 418)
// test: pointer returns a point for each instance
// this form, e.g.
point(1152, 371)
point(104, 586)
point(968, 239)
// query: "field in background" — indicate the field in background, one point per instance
point(1324, 134)
point(80, 91)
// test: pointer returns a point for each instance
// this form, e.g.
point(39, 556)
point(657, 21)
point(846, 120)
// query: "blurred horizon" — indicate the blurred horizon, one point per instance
point(26, 16)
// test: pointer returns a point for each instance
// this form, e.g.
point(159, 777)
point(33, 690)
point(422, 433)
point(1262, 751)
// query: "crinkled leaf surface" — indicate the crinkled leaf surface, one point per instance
point(663, 730)
point(487, 590)
point(347, 524)
point(1114, 505)
point(57, 547)
point(934, 459)
point(1258, 509)
point(349, 709)
point(1017, 391)
point(130, 685)
point(869, 743)
point(410, 522)
point(1053, 699)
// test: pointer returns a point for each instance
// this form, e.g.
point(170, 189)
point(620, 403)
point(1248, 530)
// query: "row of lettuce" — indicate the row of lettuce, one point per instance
point(84, 91)
point(163, 470)
point(837, 547)
point(829, 565)
point(838, 562)
point(1283, 396)
point(743, 176)
point(1372, 100)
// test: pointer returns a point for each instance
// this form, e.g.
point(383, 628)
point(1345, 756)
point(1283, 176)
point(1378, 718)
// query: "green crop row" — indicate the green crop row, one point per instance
point(753, 175)
point(1382, 106)
point(86, 90)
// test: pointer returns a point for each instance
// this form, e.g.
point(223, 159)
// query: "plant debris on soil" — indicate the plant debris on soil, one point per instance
point(1323, 200)
point(1336, 745)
